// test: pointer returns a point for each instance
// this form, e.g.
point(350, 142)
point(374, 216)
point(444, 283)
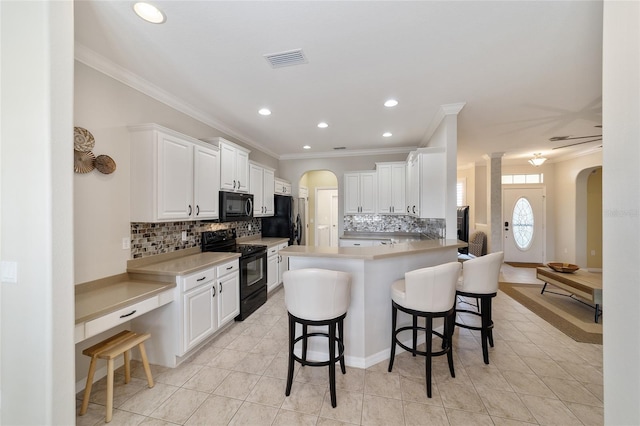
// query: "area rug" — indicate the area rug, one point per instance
point(573, 318)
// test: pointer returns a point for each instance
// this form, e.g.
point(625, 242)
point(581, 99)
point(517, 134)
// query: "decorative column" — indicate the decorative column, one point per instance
point(494, 201)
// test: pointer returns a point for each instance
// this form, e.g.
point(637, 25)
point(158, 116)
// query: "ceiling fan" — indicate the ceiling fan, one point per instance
point(592, 138)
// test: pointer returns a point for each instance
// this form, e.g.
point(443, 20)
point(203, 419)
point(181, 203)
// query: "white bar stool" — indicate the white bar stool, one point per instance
point(480, 281)
point(317, 297)
point(428, 293)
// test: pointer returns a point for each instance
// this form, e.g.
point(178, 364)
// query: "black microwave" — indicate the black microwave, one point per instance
point(235, 207)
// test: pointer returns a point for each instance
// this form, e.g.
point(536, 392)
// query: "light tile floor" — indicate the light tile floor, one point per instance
point(537, 375)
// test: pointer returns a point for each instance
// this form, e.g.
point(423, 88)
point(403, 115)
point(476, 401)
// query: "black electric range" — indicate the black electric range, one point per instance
point(253, 267)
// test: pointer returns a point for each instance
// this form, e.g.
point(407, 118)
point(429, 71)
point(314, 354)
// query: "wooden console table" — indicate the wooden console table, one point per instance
point(582, 285)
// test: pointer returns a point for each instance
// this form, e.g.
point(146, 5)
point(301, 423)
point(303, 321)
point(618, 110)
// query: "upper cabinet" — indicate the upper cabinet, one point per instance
point(261, 184)
point(360, 192)
point(426, 183)
point(234, 166)
point(282, 187)
point(391, 187)
point(173, 176)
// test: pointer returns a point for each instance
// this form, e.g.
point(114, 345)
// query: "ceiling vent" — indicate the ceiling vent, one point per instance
point(286, 59)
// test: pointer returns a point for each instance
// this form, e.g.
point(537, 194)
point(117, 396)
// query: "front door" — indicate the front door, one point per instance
point(523, 224)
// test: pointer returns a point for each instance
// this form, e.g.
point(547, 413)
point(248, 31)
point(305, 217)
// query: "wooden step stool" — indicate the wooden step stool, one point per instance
point(109, 349)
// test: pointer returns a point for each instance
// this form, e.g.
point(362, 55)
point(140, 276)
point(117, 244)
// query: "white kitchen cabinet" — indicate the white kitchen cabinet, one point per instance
point(200, 310)
point(360, 192)
point(173, 177)
point(273, 260)
point(426, 183)
point(261, 184)
point(282, 264)
point(234, 166)
point(282, 187)
point(228, 297)
point(391, 187)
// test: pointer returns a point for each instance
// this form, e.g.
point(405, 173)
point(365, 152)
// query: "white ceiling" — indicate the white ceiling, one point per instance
point(526, 70)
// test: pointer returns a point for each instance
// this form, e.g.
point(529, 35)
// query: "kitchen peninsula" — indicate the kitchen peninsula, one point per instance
point(367, 326)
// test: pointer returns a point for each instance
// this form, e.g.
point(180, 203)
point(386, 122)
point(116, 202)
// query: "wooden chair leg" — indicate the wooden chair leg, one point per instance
point(109, 390)
point(127, 367)
point(87, 389)
point(292, 337)
point(145, 364)
point(394, 313)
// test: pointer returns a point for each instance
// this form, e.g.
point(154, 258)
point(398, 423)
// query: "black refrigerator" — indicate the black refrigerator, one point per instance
point(287, 221)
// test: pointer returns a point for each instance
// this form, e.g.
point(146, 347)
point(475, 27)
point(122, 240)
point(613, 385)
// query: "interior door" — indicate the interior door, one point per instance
point(523, 224)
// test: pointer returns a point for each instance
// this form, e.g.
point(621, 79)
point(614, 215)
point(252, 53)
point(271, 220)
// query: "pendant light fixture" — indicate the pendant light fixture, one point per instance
point(537, 160)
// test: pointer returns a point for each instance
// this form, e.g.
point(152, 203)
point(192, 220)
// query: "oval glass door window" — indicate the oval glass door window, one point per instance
point(522, 223)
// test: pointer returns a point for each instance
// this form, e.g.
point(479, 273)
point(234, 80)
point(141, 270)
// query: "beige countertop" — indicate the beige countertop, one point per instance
point(97, 298)
point(394, 237)
point(375, 252)
point(173, 266)
point(264, 241)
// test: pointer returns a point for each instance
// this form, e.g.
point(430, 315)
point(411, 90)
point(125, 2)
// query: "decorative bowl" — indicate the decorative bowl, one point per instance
point(567, 268)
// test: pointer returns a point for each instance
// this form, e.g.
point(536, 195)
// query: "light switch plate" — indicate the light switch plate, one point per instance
point(9, 271)
point(184, 235)
point(126, 243)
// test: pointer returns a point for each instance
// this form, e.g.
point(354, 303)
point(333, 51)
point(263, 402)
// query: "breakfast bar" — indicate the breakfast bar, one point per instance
point(367, 327)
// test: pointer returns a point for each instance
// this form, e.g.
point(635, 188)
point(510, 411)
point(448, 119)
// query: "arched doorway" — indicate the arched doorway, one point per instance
point(321, 187)
point(589, 218)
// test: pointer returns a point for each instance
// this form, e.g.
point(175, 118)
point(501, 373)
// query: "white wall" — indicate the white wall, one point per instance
point(621, 212)
point(106, 107)
point(570, 212)
point(36, 154)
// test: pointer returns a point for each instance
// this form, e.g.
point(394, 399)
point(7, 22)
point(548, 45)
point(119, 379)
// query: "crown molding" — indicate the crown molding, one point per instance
point(349, 153)
point(443, 111)
point(101, 64)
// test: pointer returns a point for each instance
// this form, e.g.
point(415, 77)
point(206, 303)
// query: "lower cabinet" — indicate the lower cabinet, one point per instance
point(228, 297)
point(275, 266)
point(200, 314)
point(204, 302)
point(282, 265)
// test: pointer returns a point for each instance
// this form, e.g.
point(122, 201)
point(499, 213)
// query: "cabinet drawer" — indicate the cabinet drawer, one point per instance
point(227, 268)
point(199, 278)
point(282, 246)
point(272, 251)
point(120, 316)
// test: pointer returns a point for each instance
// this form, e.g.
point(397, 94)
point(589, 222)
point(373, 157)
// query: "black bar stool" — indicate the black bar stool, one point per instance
point(317, 297)
point(480, 281)
point(428, 293)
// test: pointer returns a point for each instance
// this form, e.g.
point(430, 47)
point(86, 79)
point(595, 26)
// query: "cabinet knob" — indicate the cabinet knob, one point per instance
point(220, 287)
point(234, 184)
point(189, 209)
point(197, 210)
point(214, 291)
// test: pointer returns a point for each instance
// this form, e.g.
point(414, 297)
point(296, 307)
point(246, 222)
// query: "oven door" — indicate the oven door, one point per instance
point(253, 274)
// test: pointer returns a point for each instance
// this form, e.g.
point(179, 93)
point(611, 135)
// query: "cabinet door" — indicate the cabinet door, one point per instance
point(368, 196)
point(267, 192)
point(256, 185)
point(200, 318)
point(352, 193)
point(206, 183)
point(398, 188)
point(272, 271)
point(227, 167)
point(432, 185)
point(413, 188)
point(283, 265)
point(175, 178)
point(228, 298)
point(385, 194)
point(242, 171)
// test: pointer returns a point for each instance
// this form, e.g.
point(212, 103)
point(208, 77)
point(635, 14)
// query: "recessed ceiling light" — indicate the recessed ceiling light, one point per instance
point(391, 103)
point(306, 147)
point(149, 13)
point(264, 111)
point(387, 134)
point(323, 125)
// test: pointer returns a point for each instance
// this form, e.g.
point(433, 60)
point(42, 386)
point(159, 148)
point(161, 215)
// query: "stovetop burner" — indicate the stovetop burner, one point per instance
point(225, 241)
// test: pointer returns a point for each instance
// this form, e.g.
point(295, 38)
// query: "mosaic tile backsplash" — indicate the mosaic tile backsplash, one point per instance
point(432, 228)
point(148, 239)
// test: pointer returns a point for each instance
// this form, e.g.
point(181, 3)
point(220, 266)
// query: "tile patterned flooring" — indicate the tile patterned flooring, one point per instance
point(537, 375)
